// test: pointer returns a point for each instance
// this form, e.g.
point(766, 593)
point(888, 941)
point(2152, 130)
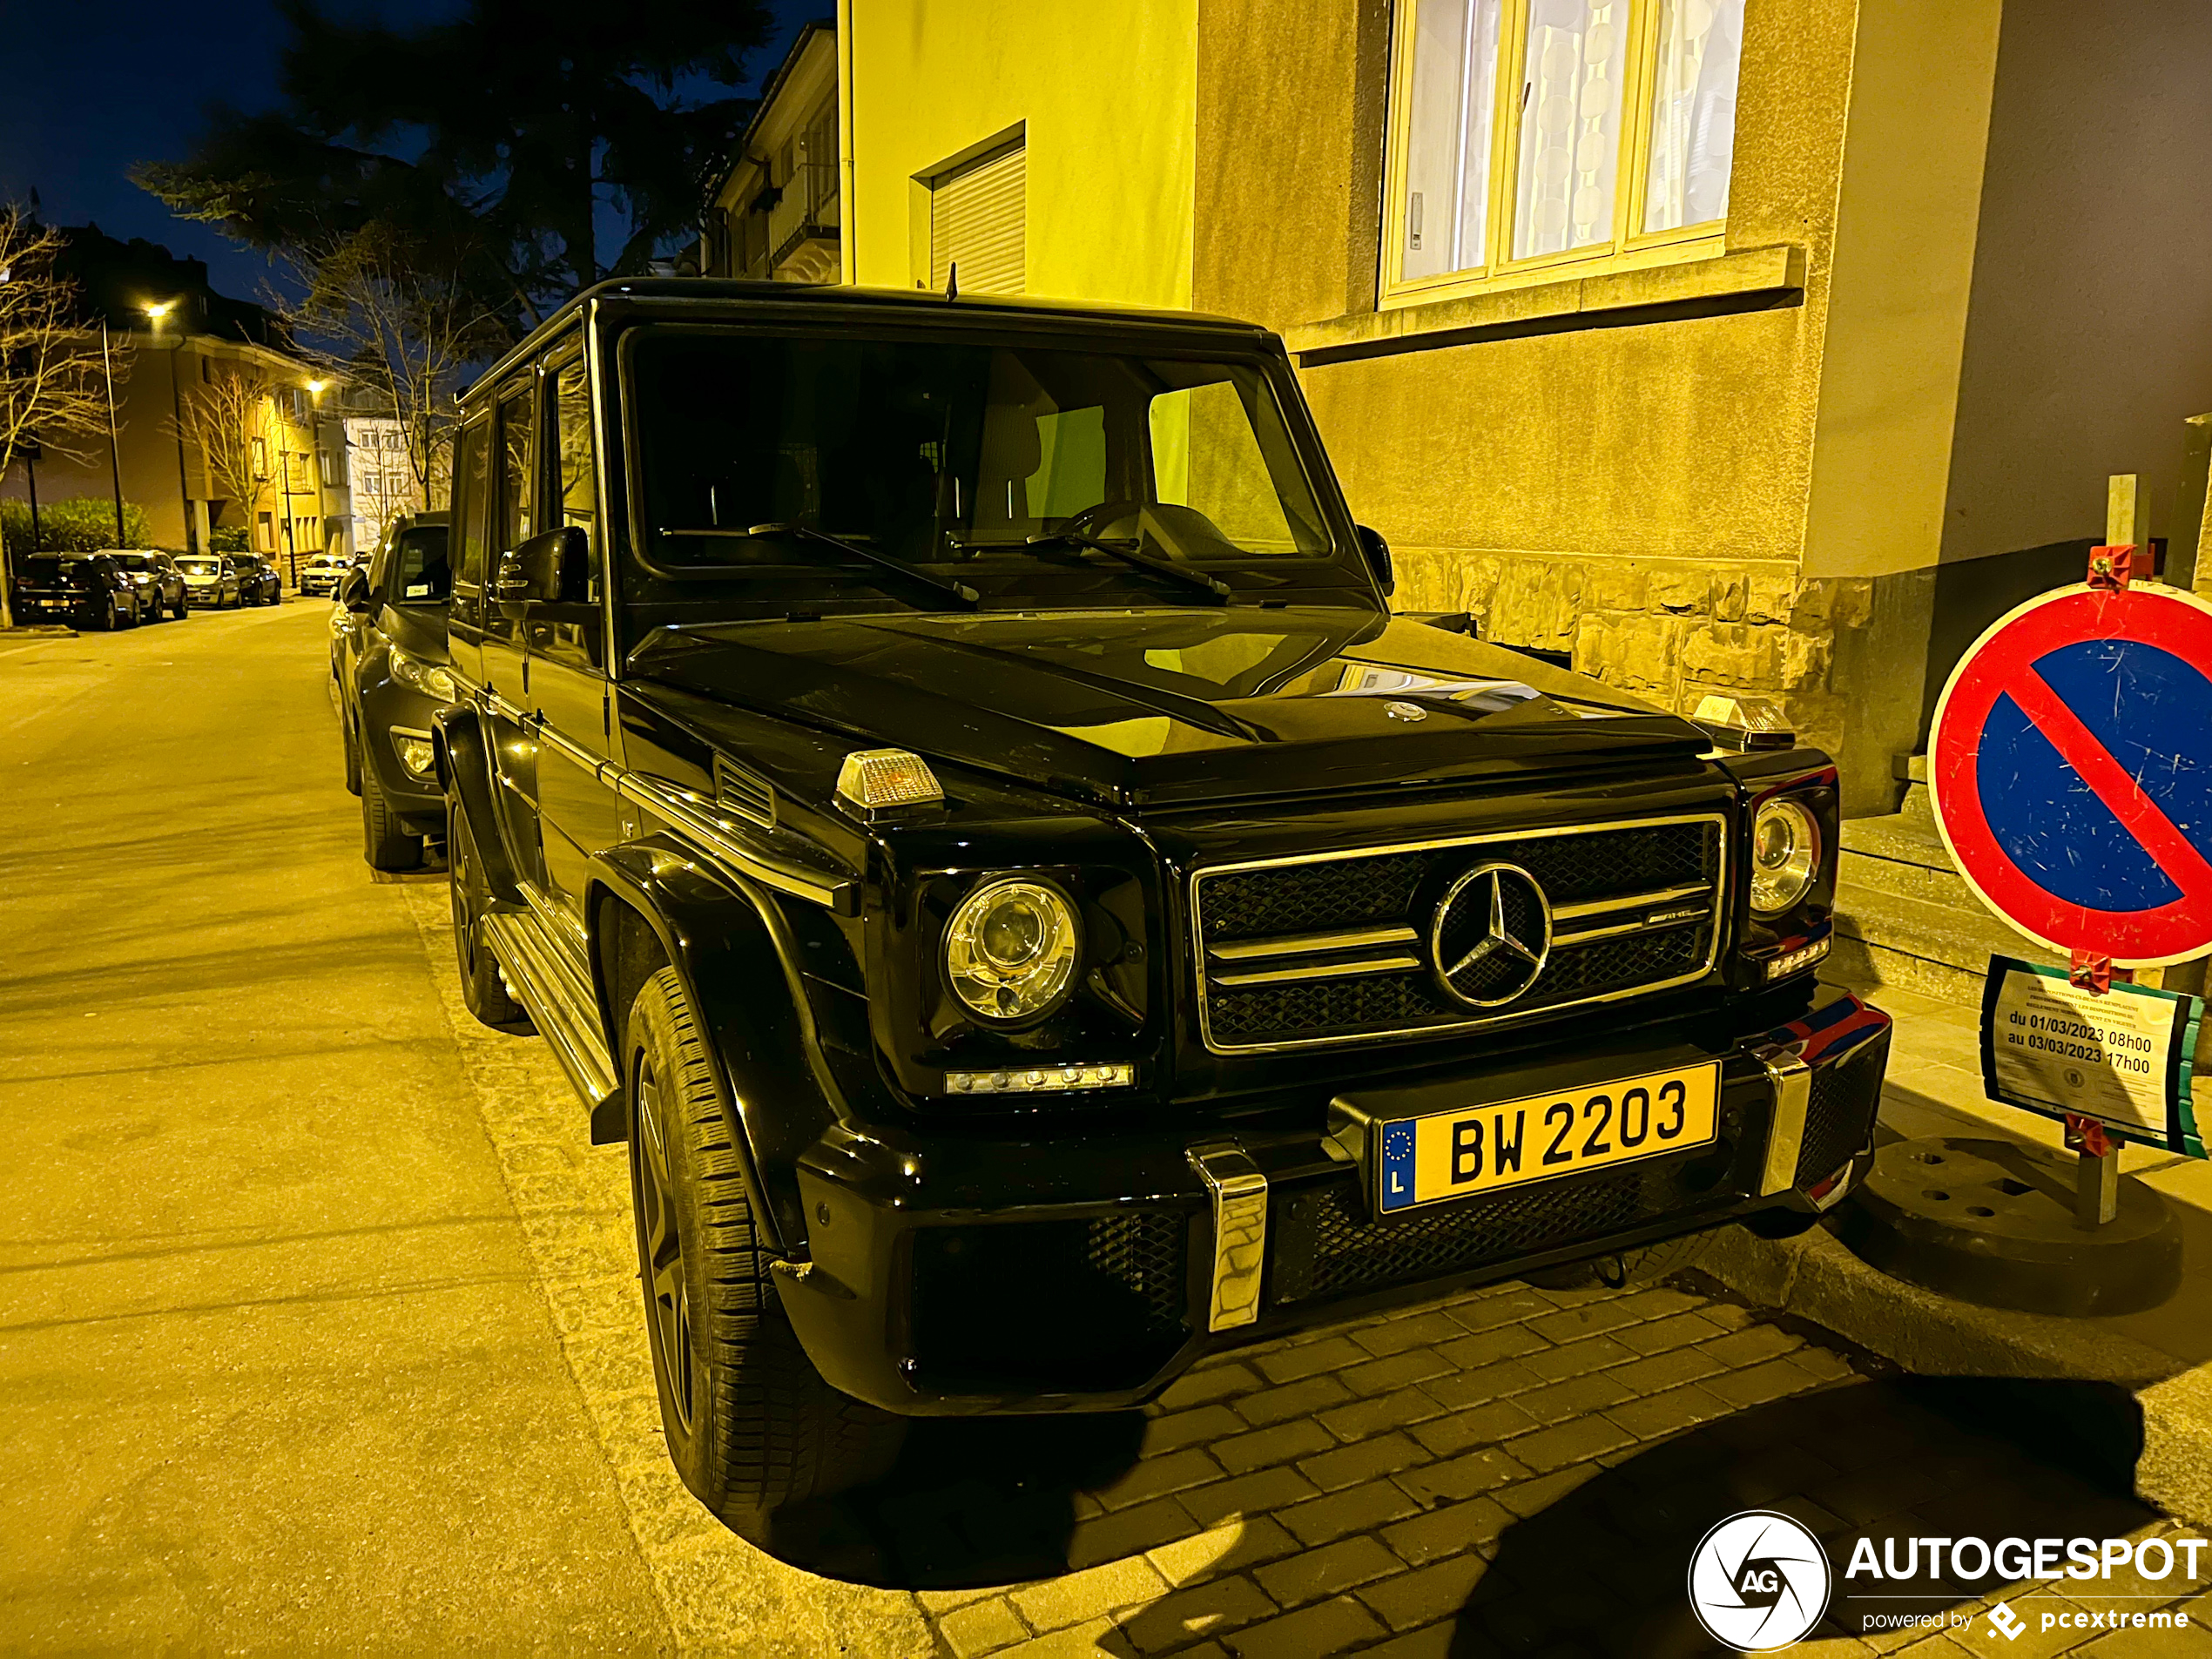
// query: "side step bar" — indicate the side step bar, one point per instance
point(546, 981)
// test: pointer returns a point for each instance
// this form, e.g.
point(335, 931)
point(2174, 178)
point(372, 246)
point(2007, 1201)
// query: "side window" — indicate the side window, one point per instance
point(579, 483)
point(472, 498)
point(516, 497)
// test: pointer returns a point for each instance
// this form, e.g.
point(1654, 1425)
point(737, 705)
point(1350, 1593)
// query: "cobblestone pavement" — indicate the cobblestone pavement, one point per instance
point(1527, 1470)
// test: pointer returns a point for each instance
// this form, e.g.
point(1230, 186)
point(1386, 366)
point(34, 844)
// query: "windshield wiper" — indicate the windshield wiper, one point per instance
point(958, 592)
point(1126, 552)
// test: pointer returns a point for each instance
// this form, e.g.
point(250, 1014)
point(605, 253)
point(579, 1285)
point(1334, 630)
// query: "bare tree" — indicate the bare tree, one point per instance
point(222, 418)
point(379, 313)
point(55, 390)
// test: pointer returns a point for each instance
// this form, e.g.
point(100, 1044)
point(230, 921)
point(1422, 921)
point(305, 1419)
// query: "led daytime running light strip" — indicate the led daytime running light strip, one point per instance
point(1040, 1080)
point(1798, 960)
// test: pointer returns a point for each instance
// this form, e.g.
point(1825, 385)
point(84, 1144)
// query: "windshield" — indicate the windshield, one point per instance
point(419, 573)
point(197, 567)
point(987, 464)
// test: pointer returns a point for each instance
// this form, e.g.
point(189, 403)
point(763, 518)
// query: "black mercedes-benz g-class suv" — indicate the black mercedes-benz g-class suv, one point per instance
point(944, 777)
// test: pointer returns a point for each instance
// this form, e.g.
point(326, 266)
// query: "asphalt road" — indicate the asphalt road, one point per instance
point(321, 1329)
point(279, 1369)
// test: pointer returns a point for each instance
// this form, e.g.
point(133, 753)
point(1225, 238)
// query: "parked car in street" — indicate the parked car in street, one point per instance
point(211, 580)
point(321, 575)
point(86, 589)
point(259, 582)
point(964, 812)
point(159, 583)
point(389, 658)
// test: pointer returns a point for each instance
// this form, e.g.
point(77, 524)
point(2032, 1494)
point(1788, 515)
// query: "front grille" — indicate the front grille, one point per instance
point(1337, 948)
point(1839, 1116)
point(1053, 1305)
point(1325, 1244)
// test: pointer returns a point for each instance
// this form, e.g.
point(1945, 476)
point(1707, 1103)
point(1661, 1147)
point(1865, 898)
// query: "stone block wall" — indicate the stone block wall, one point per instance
point(1670, 631)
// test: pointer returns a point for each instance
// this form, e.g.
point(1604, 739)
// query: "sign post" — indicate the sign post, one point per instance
point(2070, 771)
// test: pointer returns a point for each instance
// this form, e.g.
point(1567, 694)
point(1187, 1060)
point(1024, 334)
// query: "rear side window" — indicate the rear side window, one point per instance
point(472, 492)
point(420, 574)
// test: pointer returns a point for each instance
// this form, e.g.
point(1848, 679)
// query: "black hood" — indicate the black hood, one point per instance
point(1162, 707)
point(420, 630)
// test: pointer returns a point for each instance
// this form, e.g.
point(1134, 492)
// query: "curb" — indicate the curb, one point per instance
point(1933, 1335)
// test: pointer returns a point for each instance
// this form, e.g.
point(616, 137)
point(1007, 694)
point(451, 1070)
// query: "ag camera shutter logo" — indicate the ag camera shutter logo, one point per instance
point(1758, 1581)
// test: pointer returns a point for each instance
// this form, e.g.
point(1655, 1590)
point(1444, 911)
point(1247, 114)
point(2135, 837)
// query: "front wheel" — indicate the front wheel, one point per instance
point(110, 617)
point(386, 842)
point(481, 987)
point(751, 1425)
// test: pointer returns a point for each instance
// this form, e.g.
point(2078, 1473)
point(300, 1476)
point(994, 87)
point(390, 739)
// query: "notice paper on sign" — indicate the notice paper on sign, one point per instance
point(2124, 1057)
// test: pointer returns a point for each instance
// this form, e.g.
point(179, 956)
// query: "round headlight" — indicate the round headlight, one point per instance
point(1785, 856)
point(1011, 949)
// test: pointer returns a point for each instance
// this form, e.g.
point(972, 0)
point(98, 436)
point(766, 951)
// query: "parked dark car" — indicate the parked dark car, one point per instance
point(211, 580)
point(259, 582)
point(86, 589)
point(388, 658)
point(947, 781)
point(160, 584)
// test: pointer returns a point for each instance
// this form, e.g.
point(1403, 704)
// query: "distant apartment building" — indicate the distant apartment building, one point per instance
point(216, 425)
point(776, 212)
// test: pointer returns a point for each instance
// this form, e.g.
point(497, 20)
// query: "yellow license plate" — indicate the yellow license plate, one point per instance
point(1472, 1149)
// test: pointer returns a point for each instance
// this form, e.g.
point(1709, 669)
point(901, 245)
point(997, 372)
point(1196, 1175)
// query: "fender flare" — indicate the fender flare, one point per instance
point(732, 951)
point(462, 752)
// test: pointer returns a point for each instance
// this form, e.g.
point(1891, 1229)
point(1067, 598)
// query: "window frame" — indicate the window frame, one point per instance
point(1629, 248)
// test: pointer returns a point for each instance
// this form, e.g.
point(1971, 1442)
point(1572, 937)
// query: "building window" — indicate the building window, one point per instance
point(1525, 133)
point(978, 223)
point(264, 532)
point(261, 456)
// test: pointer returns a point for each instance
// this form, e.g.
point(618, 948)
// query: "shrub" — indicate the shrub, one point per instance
point(80, 524)
point(226, 538)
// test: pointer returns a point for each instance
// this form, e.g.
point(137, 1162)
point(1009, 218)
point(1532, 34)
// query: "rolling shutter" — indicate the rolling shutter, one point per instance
point(978, 219)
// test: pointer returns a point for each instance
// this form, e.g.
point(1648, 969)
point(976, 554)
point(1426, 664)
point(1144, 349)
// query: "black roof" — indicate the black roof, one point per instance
point(116, 280)
point(653, 293)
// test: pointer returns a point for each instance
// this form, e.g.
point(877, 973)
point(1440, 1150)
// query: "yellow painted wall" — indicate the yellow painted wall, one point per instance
point(1107, 90)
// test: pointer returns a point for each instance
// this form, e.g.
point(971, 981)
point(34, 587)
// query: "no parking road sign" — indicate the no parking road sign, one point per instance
point(2071, 770)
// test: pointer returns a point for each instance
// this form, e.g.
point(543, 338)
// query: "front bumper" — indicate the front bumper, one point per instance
point(952, 1276)
point(415, 797)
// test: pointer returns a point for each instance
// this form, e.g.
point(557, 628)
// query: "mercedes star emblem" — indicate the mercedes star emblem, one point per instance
point(1408, 711)
point(1491, 935)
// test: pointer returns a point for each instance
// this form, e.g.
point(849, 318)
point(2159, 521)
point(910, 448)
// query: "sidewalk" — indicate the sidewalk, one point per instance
point(2161, 1357)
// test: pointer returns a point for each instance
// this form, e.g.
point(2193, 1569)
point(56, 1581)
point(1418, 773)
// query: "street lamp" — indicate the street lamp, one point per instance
point(155, 312)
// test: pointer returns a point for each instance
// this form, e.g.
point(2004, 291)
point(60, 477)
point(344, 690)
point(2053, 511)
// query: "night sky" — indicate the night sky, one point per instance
point(87, 91)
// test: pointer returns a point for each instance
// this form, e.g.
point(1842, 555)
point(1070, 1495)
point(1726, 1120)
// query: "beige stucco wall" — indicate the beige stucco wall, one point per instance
point(1634, 495)
point(1106, 92)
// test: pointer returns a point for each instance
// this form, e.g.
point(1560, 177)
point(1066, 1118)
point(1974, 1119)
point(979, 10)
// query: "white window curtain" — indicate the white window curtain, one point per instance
point(1693, 112)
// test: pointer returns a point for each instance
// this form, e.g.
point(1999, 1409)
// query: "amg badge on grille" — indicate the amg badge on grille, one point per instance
point(1491, 935)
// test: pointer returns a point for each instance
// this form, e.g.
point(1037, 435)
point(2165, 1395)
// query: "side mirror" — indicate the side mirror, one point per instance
point(554, 568)
point(353, 592)
point(1378, 552)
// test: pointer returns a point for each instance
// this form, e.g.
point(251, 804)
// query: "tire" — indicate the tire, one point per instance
point(353, 753)
point(182, 610)
point(112, 618)
point(482, 988)
point(1645, 1264)
point(750, 1425)
point(386, 843)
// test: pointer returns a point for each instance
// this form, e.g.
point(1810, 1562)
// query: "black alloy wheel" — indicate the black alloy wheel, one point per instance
point(350, 736)
point(482, 988)
point(110, 617)
point(660, 1250)
point(750, 1423)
